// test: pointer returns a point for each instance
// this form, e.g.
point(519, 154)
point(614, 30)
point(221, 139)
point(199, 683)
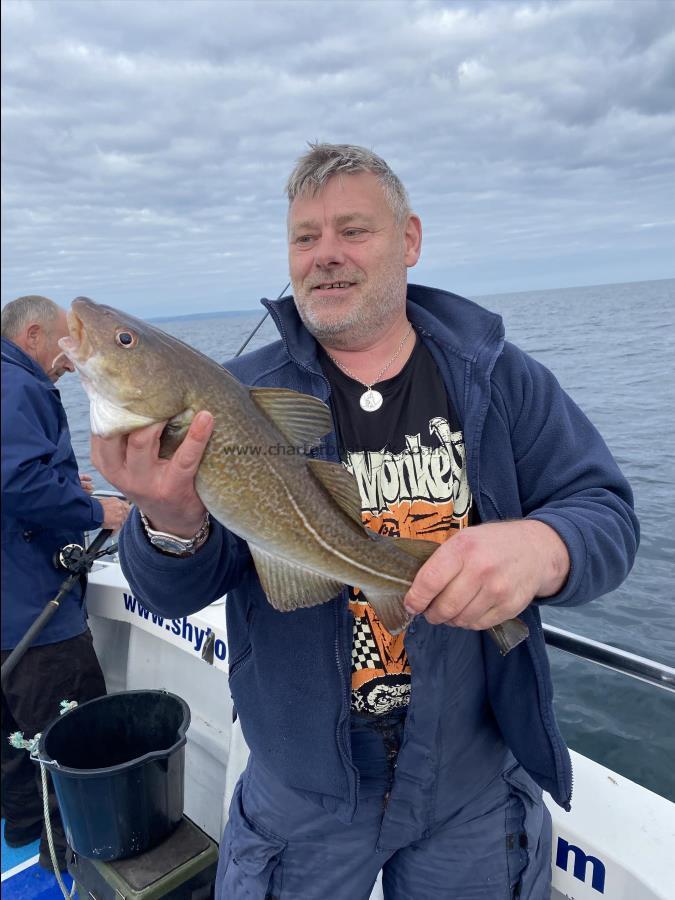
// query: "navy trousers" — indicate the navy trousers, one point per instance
point(279, 844)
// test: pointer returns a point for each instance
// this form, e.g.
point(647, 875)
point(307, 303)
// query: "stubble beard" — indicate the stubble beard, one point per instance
point(363, 321)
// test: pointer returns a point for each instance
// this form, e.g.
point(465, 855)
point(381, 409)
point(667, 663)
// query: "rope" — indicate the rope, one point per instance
point(17, 740)
point(50, 839)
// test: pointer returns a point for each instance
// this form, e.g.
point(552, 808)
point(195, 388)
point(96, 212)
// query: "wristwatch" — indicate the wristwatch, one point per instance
point(177, 546)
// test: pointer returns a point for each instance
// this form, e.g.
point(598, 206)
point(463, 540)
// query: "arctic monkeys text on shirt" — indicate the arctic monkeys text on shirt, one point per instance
point(409, 463)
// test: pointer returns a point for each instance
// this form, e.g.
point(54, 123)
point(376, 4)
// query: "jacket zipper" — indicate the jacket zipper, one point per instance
point(351, 772)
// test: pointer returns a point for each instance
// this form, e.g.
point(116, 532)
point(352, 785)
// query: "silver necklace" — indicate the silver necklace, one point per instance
point(371, 400)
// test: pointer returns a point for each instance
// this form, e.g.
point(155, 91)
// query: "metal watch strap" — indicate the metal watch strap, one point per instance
point(171, 544)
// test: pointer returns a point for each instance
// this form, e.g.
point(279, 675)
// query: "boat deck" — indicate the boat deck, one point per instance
point(23, 878)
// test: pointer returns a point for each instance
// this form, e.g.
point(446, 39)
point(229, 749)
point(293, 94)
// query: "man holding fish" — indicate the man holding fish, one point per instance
point(391, 680)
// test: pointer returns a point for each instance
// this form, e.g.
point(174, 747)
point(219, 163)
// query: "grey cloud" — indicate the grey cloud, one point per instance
point(145, 145)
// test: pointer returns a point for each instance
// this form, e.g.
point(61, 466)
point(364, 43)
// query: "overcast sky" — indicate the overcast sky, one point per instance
point(145, 145)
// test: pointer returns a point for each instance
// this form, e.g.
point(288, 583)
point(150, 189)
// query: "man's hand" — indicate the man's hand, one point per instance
point(86, 483)
point(115, 512)
point(489, 573)
point(164, 489)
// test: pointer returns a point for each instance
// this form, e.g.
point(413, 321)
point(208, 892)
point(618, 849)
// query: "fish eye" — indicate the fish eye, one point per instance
point(125, 339)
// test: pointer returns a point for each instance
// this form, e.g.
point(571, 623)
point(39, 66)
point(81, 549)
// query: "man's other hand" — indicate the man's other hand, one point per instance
point(86, 483)
point(489, 573)
point(164, 489)
point(115, 512)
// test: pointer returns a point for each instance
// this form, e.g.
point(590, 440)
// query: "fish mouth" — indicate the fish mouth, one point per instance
point(76, 345)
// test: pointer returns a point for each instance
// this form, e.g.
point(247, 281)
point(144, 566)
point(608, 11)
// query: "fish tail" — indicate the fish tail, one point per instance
point(509, 634)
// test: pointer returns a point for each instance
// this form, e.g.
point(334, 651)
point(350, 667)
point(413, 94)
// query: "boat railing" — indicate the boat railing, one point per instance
point(613, 658)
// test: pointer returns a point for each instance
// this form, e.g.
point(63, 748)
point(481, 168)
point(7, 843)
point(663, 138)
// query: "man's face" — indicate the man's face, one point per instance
point(49, 348)
point(348, 258)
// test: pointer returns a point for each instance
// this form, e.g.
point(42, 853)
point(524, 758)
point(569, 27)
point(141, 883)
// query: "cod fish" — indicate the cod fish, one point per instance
point(300, 516)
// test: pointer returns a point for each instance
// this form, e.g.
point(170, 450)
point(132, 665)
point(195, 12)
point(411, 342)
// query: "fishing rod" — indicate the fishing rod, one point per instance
point(267, 312)
point(76, 560)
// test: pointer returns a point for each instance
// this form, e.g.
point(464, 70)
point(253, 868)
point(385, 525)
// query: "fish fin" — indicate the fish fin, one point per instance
point(174, 433)
point(291, 587)
point(303, 420)
point(390, 610)
point(509, 634)
point(418, 549)
point(340, 484)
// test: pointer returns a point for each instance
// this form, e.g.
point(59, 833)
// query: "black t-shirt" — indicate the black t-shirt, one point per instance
point(409, 462)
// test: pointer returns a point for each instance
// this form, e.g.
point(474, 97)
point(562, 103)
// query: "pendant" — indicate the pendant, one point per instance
point(371, 400)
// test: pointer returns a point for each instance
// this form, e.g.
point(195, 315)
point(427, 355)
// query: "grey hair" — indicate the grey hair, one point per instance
point(323, 161)
point(25, 310)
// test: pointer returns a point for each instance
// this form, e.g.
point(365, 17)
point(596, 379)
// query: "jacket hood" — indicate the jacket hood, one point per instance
point(464, 327)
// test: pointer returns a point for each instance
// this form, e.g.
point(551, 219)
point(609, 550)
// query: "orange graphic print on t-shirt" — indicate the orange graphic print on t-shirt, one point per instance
point(421, 492)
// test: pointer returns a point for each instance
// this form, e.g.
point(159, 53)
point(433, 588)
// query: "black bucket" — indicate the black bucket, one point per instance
point(118, 766)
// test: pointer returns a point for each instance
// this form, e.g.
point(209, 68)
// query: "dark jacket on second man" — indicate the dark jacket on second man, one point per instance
point(44, 507)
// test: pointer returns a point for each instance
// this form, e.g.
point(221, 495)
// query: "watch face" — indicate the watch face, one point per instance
point(169, 545)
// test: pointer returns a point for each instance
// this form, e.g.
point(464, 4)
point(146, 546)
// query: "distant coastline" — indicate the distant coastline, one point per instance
point(206, 315)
